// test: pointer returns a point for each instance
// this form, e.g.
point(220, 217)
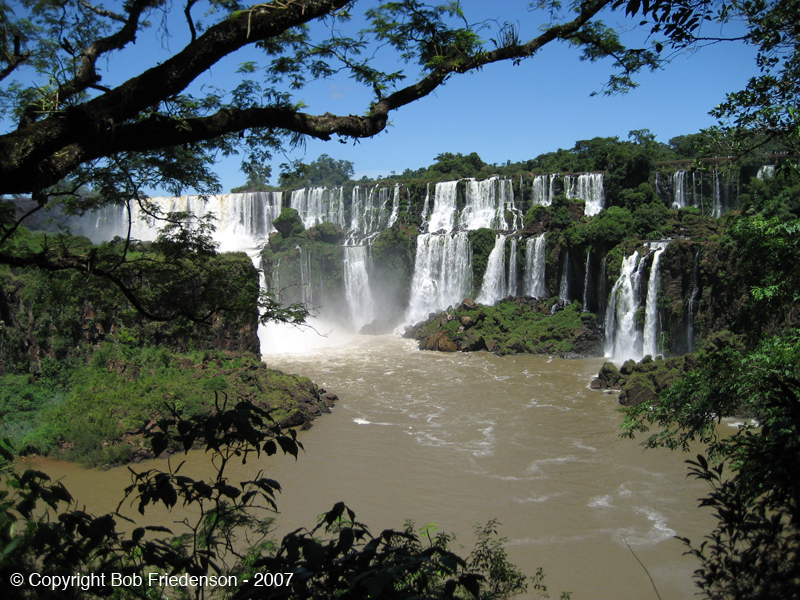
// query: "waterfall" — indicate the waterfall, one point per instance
point(716, 199)
point(650, 342)
point(243, 221)
point(679, 189)
point(765, 172)
point(534, 267)
point(587, 187)
point(444, 207)
point(494, 285)
point(356, 286)
point(563, 288)
point(482, 208)
point(395, 206)
point(442, 274)
point(692, 304)
point(426, 205)
point(513, 276)
point(586, 282)
point(318, 205)
point(622, 337)
point(543, 190)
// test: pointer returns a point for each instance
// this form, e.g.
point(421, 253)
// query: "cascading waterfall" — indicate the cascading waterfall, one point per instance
point(587, 187)
point(444, 207)
point(426, 204)
point(679, 189)
point(486, 204)
point(623, 340)
point(650, 341)
point(442, 274)
point(242, 220)
point(356, 286)
point(368, 211)
point(513, 276)
point(716, 199)
point(692, 304)
point(563, 288)
point(494, 280)
point(543, 190)
point(395, 206)
point(765, 172)
point(534, 267)
point(318, 205)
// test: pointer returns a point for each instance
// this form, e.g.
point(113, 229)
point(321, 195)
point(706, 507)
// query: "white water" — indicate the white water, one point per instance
point(679, 189)
point(444, 207)
point(494, 280)
point(623, 339)
point(356, 286)
point(563, 288)
point(543, 189)
point(318, 205)
point(587, 187)
point(442, 274)
point(486, 204)
point(650, 341)
point(513, 275)
point(534, 267)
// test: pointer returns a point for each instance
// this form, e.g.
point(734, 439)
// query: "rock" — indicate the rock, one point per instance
point(628, 367)
point(637, 389)
point(306, 426)
point(295, 419)
point(330, 399)
point(467, 304)
point(598, 384)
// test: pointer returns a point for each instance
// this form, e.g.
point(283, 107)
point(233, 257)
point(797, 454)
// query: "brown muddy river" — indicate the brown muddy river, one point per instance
point(458, 439)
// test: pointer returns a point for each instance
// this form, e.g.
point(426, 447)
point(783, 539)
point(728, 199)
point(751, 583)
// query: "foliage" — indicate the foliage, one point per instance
point(324, 171)
point(516, 325)
point(288, 223)
point(767, 109)
point(481, 244)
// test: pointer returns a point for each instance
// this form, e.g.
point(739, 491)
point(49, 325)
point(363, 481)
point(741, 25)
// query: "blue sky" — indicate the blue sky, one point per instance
point(506, 112)
point(503, 112)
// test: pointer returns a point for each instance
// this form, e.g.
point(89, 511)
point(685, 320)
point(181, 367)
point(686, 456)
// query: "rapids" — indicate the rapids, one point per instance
point(457, 439)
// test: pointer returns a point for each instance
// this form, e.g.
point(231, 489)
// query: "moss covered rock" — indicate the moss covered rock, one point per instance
point(515, 325)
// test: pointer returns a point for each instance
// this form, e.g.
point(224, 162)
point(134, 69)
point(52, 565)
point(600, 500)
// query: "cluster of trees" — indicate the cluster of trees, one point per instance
point(68, 125)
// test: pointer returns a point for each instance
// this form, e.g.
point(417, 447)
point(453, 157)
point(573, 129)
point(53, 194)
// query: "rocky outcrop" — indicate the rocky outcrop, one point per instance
point(643, 381)
point(516, 325)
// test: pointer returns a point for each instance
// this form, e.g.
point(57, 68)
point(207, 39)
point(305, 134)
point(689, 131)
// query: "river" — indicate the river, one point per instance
point(458, 439)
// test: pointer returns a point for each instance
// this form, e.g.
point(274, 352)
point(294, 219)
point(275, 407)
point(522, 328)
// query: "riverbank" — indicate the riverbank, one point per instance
point(92, 418)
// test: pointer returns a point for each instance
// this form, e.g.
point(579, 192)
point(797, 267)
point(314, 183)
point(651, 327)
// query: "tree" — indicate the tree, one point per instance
point(257, 178)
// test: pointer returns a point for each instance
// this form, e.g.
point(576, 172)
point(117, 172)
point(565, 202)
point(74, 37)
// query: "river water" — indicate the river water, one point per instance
point(458, 439)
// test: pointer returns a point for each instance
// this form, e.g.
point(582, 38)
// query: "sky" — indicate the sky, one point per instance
point(503, 112)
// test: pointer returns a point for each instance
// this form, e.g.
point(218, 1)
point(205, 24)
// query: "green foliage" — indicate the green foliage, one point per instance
point(289, 223)
point(481, 243)
point(515, 326)
point(603, 231)
point(324, 171)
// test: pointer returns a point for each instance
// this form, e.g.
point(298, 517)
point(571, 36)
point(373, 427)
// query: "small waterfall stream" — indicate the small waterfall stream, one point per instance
point(494, 280)
point(534, 266)
point(651, 324)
